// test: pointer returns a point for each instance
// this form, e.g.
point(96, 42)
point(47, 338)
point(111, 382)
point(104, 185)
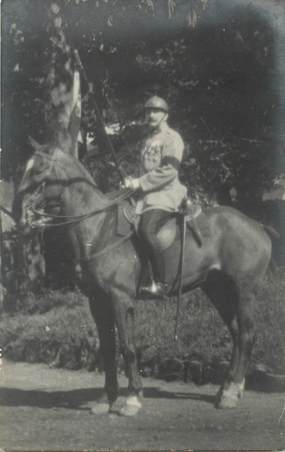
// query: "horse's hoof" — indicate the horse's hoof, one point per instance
point(129, 410)
point(229, 396)
point(227, 402)
point(132, 407)
point(100, 408)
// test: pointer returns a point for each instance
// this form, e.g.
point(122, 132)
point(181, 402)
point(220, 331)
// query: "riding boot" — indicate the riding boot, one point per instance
point(150, 224)
point(157, 288)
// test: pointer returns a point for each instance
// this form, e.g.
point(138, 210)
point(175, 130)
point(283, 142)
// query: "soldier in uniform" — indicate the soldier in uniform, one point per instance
point(159, 188)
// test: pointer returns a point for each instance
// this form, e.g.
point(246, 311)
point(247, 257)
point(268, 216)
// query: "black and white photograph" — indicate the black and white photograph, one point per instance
point(142, 221)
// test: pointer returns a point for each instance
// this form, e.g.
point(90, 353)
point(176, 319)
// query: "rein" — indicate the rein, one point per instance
point(71, 219)
point(68, 220)
point(77, 219)
point(74, 219)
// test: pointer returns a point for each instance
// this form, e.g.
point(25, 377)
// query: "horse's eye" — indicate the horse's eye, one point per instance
point(34, 171)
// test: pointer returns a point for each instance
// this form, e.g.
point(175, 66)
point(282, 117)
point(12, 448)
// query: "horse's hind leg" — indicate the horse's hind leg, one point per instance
point(234, 302)
point(104, 318)
point(223, 293)
point(124, 313)
point(234, 391)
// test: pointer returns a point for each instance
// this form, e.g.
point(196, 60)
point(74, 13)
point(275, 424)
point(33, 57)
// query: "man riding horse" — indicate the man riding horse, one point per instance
point(229, 265)
point(159, 190)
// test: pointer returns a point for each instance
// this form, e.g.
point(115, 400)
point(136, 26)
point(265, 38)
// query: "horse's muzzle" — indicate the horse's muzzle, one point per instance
point(23, 214)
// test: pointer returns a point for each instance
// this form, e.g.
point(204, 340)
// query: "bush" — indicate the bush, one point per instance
point(270, 320)
point(200, 329)
point(57, 328)
point(203, 337)
point(44, 301)
point(54, 328)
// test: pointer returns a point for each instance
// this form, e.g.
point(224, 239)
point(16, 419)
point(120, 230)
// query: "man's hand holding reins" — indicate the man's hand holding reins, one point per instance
point(132, 183)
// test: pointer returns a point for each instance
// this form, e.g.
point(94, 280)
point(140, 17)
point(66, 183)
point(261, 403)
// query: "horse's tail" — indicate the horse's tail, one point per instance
point(273, 234)
point(271, 231)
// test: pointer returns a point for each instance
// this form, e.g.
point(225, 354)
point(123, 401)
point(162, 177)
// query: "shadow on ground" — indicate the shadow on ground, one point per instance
point(76, 399)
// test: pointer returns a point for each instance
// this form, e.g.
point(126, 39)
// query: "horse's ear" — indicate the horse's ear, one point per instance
point(35, 145)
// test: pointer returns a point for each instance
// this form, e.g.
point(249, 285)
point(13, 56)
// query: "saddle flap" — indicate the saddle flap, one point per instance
point(127, 219)
point(129, 212)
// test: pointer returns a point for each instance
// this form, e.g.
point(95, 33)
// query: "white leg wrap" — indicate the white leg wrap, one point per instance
point(133, 401)
point(234, 390)
point(229, 397)
point(132, 406)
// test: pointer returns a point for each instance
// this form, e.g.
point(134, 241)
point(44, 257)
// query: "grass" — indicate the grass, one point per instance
point(56, 327)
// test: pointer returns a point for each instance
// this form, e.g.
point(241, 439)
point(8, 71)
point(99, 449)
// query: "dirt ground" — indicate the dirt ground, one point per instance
point(43, 408)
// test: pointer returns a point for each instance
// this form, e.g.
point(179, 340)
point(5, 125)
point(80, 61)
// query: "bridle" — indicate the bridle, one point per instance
point(67, 220)
point(74, 219)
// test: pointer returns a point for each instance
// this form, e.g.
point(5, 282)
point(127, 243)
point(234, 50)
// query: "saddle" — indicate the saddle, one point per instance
point(128, 220)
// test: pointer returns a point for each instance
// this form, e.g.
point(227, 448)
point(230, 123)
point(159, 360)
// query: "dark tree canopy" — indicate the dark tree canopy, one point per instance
point(216, 62)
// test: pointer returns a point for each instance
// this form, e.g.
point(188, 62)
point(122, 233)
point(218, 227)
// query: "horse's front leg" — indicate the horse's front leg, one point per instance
point(124, 315)
point(103, 315)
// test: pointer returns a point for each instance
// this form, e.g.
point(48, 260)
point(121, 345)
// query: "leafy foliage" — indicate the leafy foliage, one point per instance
point(212, 62)
point(56, 328)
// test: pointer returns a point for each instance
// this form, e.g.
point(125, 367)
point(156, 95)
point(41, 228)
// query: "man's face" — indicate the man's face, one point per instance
point(155, 117)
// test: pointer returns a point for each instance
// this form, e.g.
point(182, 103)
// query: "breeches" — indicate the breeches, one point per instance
point(150, 224)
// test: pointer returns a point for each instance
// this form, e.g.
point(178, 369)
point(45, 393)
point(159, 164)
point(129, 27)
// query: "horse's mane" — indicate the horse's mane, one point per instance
point(82, 169)
point(63, 154)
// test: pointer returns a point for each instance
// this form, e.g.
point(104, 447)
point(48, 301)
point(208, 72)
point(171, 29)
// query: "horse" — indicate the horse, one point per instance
point(234, 256)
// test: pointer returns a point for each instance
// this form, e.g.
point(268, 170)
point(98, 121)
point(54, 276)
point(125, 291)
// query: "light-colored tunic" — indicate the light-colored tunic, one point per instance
point(161, 154)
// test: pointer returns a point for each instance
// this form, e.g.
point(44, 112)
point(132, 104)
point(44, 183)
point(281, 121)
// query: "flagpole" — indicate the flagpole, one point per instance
point(121, 172)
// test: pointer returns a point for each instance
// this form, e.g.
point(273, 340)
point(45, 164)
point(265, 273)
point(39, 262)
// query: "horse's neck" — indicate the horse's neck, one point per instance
point(82, 193)
point(87, 236)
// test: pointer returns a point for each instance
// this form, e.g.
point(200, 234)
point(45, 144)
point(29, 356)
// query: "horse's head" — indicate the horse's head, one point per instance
point(40, 189)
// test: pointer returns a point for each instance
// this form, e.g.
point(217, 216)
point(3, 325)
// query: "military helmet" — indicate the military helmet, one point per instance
point(156, 103)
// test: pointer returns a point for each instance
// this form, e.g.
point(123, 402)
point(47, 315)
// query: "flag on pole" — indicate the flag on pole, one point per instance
point(75, 114)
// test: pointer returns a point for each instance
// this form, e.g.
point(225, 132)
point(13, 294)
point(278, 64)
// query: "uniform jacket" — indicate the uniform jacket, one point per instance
point(161, 154)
